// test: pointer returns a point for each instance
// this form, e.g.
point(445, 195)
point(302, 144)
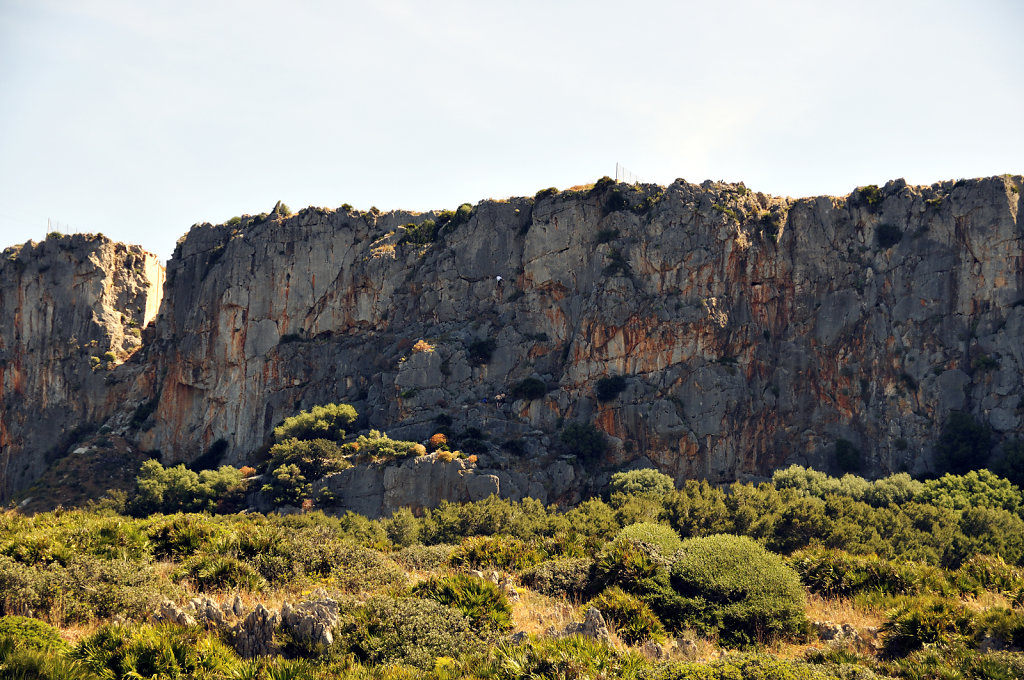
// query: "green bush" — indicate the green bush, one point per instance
point(20, 662)
point(86, 588)
point(403, 528)
point(926, 621)
point(609, 387)
point(155, 651)
point(838, 574)
point(584, 441)
point(178, 489)
point(31, 633)
point(1005, 626)
point(565, 577)
point(287, 486)
point(870, 195)
point(644, 482)
point(733, 587)
point(422, 234)
point(501, 552)
point(480, 601)
point(377, 445)
point(632, 618)
point(662, 537)
point(220, 572)
point(570, 658)
point(452, 522)
point(180, 536)
point(529, 389)
point(635, 567)
point(412, 631)
point(991, 573)
point(760, 667)
point(423, 557)
point(314, 457)
point(320, 422)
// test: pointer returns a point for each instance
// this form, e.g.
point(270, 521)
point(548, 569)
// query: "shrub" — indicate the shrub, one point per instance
point(635, 567)
point(529, 389)
point(422, 346)
point(609, 387)
point(984, 572)
point(480, 601)
point(567, 577)
point(870, 194)
point(412, 631)
point(31, 633)
point(90, 588)
point(402, 527)
point(733, 587)
point(643, 482)
point(378, 446)
point(570, 658)
point(964, 444)
point(220, 572)
point(422, 234)
point(926, 621)
point(314, 457)
point(584, 441)
point(438, 440)
point(287, 486)
point(482, 552)
point(180, 536)
point(1003, 625)
point(320, 422)
point(633, 619)
point(423, 557)
point(838, 574)
point(662, 537)
point(152, 651)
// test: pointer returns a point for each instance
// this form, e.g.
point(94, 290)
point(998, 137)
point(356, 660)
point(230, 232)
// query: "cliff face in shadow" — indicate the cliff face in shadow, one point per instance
point(749, 331)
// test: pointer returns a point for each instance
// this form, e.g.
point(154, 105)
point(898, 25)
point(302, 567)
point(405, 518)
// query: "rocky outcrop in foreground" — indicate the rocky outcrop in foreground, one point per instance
point(709, 330)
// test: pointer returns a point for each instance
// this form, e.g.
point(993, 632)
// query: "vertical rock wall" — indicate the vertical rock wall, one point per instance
point(751, 331)
point(71, 310)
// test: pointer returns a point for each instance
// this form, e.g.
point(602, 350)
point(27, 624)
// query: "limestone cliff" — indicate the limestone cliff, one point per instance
point(752, 331)
point(72, 309)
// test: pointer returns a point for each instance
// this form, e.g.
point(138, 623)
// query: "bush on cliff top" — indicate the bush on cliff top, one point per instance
point(320, 422)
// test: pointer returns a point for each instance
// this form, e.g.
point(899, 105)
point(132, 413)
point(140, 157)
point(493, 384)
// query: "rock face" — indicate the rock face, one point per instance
point(751, 332)
point(71, 309)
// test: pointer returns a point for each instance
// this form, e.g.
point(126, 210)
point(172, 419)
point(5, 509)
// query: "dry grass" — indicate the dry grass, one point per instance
point(535, 613)
point(842, 610)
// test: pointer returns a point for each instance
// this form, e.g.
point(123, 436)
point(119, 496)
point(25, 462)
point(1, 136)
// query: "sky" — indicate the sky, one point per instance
point(139, 119)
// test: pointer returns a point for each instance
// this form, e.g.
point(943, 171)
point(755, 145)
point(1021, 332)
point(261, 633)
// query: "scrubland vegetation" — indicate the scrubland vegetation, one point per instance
point(731, 583)
point(807, 576)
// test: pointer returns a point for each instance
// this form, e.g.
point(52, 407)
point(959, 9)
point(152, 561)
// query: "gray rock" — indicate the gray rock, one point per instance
point(743, 352)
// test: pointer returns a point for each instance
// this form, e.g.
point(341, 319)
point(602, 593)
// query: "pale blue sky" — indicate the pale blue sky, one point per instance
point(139, 119)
